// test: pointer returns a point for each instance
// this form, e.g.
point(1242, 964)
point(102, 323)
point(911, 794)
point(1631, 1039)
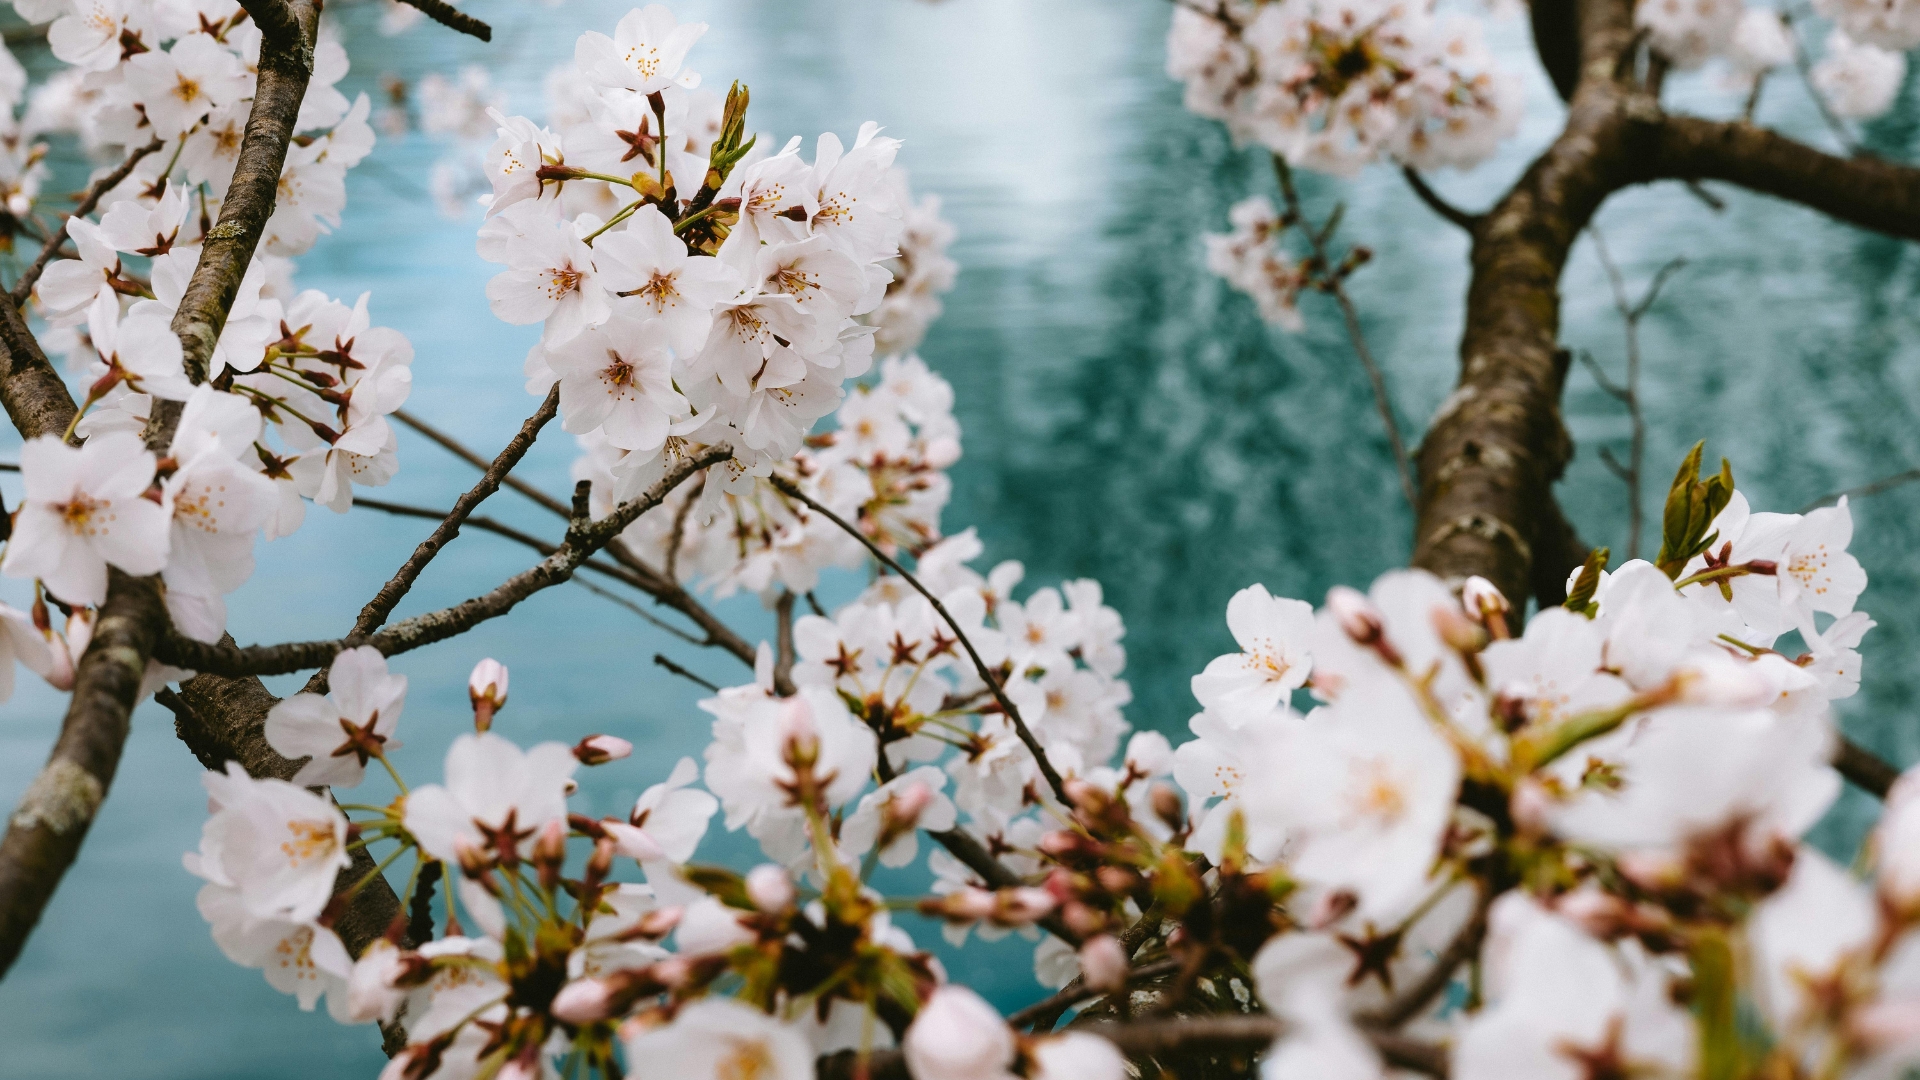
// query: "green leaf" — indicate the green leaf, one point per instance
point(1580, 597)
point(1676, 521)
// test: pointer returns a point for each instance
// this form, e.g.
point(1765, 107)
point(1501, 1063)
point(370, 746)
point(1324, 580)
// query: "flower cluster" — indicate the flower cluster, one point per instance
point(1332, 85)
point(692, 293)
point(1857, 76)
point(882, 466)
point(298, 364)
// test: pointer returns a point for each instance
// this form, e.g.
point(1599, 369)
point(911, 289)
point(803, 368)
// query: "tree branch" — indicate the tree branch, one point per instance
point(1437, 203)
point(449, 16)
point(44, 834)
point(460, 450)
point(584, 537)
point(1863, 191)
point(377, 609)
point(24, 287)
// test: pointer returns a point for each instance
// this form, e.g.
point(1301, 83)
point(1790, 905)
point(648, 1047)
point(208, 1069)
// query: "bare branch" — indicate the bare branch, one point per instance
point(661, 660)
point(664, 588)
point(1864, 769)
point(1864, 191)
point(1330, 281)
point(24, 287)
point(1465, 945)
point(1012, 711)
point(584, 537)
point(377, 609)
point(449, 16)
point(459, 450)
point(1437, 203)
point(1875, 487)
point(783, 637)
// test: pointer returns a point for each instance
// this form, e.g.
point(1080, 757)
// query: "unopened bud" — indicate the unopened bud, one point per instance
point(1026, 904)
point(1166, 806)
point(600, 749)
point(1083, 919)
point(1331, 908)
point(487, 688)
point(1531, 806)
point(1103, 964)
point(1485, 604)
point(654, 925)
point(1459, 632)
point(770, 889)
point(583, 1001)
point(599, 863)
point(1087, 797)
point(473, 860)
point(1355, 613)
point(1117, 880)
point(1653, 871)
point(901, 815)
point(1600, 914)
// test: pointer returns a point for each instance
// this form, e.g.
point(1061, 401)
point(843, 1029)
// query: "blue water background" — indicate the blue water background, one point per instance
point(1127, 418)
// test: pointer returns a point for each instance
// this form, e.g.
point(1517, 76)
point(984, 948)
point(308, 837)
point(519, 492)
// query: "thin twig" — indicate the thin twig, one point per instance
point(783, 637)
point(1318, 241)
point(661, 659)
point(447, 15)
point(375, 613)
point(650, 617)
point(1628, 393)
point(1885, 483)
point(584, 537)
point(459, 450)
point(644, 577)
point(1864, 769)
point(1438, 203)
point(1012, 711)
point(24, 287)
point(1804, 64)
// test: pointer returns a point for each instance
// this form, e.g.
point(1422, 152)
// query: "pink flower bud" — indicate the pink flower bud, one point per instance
point(1651, 870)
point(973, 904)
point(909, 801)
point(769, 887)
point(1893, 1021)
point(600, 749)
point(1531, 806)
point(1355, 613)
point(1103, 964)
point(1483, 600)
point(583, 1001)
point(1028, 904)
point(672, 972)
point(487, 688)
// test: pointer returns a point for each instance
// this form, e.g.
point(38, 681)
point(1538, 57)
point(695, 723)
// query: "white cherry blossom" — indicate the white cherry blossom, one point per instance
point(85, 509)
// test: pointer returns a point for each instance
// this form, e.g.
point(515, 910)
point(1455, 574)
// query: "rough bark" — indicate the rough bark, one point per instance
point(1864, 191)
point(45, 832)
point(1496, 446)
point(286, 63)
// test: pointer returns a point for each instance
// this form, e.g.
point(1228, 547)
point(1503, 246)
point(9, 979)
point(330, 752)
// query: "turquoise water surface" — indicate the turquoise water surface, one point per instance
point(1127, 418)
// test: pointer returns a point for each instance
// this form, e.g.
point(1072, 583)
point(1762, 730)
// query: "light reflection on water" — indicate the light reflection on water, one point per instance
point(1126, 419)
